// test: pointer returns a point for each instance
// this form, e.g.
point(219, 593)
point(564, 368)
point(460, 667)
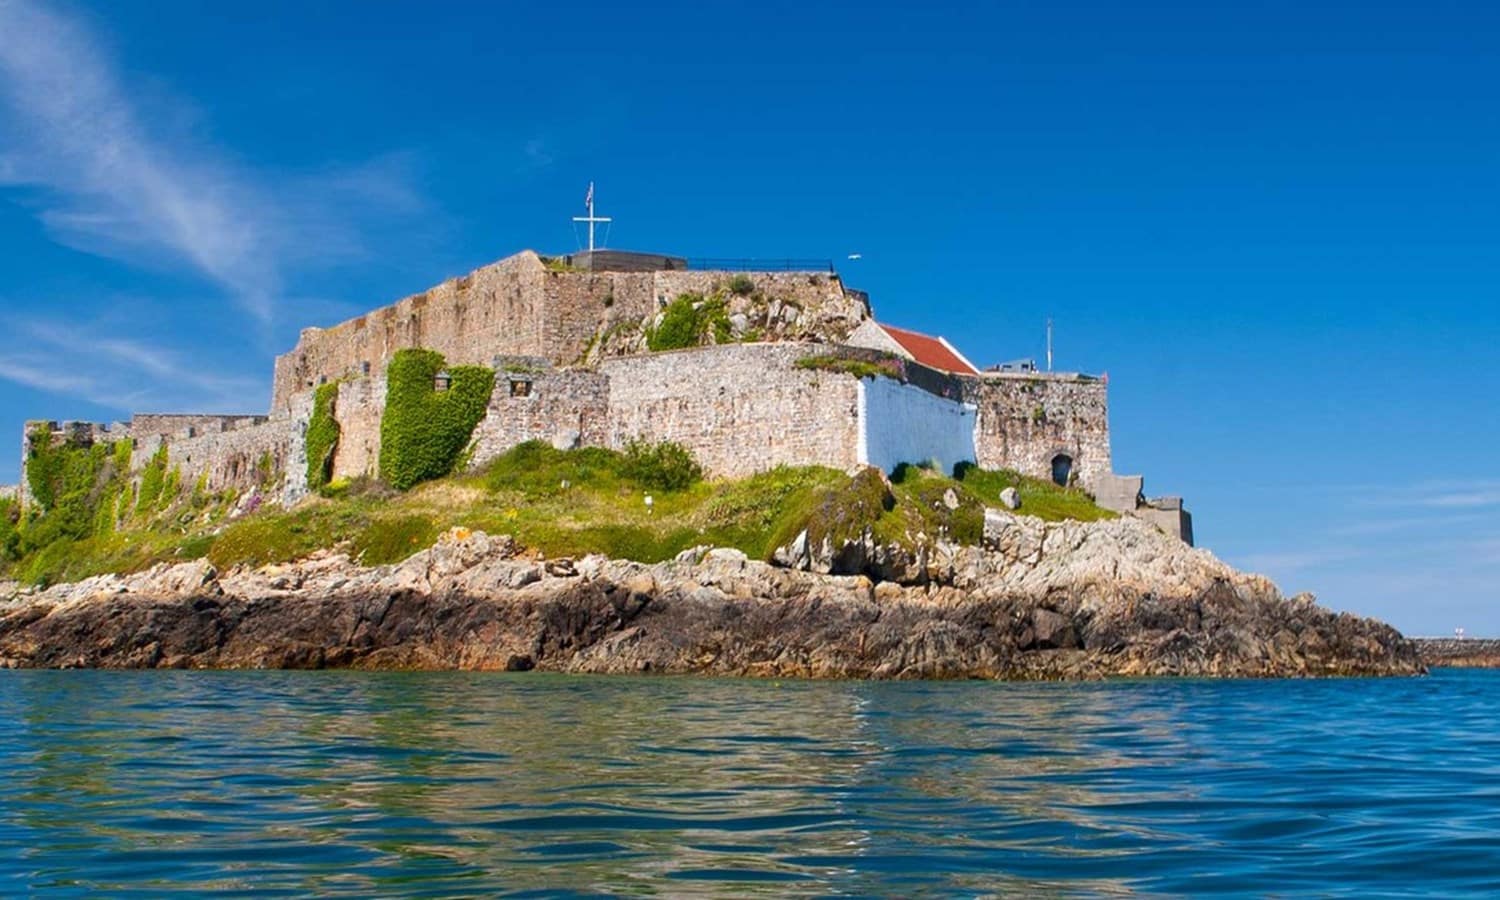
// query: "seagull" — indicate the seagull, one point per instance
point(856, 256)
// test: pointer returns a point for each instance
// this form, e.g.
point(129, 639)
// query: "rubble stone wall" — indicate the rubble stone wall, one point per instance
point(740, 408)
point(522, 306)
point(358, 409)
point(1025, 421)
point(567, 408)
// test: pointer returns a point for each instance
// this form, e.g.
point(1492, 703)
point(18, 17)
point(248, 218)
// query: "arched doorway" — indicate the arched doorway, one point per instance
point(1062, 469)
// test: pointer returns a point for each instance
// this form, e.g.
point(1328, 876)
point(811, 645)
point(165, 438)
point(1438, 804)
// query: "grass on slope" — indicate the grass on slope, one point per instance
point(569, 503)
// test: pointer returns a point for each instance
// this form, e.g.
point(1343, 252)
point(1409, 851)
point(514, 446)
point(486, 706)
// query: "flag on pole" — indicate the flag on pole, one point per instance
point(588, 199)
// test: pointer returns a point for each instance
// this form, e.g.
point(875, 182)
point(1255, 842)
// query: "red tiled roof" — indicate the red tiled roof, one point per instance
point(930, 351)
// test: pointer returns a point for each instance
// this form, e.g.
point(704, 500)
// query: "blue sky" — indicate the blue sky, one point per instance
point(1274, 226)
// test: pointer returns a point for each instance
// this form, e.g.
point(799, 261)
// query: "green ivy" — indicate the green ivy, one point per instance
point(423, 432)
point(322, 436)
point(75, 486)
point(153, 483)
point(10, 532)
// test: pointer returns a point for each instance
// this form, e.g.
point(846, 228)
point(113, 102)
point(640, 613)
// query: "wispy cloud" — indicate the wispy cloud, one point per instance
point(108, 181)
point(121, 372)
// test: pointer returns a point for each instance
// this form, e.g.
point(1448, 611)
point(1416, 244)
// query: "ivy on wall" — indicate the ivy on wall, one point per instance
point(153, 482)
point(424, 431)
point(10, 532)
point(322, 436)
point(77, 488)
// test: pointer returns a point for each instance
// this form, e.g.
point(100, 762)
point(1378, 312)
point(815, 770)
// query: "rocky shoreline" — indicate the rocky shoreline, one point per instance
point(1040, 600)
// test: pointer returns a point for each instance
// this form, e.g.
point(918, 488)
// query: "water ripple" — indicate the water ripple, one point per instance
point(290, 784)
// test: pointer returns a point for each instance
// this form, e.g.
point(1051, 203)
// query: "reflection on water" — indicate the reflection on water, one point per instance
point(473, 784)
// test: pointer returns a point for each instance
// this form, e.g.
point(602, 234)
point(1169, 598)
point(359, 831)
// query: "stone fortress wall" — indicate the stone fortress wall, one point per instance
point(522, 306)
point(739, 407)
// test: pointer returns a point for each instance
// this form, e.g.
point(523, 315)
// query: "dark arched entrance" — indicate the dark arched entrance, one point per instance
point(1062, 468)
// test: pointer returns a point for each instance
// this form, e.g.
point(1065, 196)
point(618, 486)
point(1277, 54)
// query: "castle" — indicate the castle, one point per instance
point(790, 368)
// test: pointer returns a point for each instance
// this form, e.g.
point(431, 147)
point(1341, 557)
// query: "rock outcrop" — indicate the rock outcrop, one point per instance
point(1067, 600)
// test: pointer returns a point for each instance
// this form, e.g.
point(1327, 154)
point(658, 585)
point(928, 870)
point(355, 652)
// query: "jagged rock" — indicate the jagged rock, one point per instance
point(1011, 498)
point(1062, 600)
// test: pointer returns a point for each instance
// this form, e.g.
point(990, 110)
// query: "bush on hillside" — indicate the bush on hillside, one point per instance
point(664, 466)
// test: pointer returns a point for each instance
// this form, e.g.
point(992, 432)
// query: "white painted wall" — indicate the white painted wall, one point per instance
point(900, 423)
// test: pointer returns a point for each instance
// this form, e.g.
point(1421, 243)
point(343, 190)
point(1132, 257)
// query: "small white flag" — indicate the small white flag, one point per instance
point(588, 200)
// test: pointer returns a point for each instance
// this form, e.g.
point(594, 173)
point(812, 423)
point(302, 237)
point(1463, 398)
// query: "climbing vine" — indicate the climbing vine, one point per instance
point(424, 431)
point(76, 487)
point(153, 483)
point(322, 436)
point(10, 533)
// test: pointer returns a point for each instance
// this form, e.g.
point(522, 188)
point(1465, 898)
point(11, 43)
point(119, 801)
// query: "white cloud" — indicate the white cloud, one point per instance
point(111, 181)
point(122, 372)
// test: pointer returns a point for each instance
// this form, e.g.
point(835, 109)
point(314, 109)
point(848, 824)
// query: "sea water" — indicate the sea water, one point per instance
point(457, 784)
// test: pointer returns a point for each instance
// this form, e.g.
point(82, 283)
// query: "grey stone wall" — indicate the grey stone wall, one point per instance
point(566, 408)
point(226, 449)
point(226, 459)
point(741, 408)
point(520, 306)
point(1026, 420)
point(358, 409)
point(167, 424)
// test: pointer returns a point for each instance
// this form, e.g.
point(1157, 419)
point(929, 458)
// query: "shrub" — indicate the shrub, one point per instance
point(424, 432)
point(688, 321)
point(664, 466)
point(742, 285)
point(322, 436)
point(537, 469)
point(10, 535)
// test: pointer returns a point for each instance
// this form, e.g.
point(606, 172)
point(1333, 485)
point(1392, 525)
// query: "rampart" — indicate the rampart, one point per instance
point(740, 408)
point(523, 306)
point(234, 452)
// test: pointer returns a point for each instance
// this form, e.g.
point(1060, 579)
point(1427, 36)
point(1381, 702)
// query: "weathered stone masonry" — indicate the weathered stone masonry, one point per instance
point(562, 377)
point(520, 306)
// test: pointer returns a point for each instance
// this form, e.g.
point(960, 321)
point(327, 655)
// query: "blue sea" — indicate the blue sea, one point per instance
point(438, 785)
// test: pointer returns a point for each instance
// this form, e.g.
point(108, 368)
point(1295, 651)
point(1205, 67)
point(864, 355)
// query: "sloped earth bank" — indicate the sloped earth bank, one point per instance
point(1063, 600)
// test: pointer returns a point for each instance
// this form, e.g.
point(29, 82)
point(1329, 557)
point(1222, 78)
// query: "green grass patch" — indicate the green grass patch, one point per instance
point(1039, 497)
point(859, 368)
point(562, 503)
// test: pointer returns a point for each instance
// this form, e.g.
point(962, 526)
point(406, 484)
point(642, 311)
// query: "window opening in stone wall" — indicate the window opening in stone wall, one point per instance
point(1062, 468)
point(364, 368)
point(520, 387)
